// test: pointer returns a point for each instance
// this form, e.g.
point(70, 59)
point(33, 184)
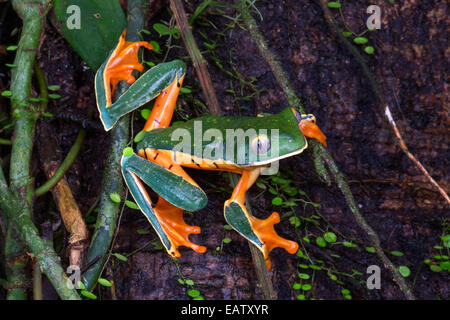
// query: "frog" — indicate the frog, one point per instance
point(243, 145)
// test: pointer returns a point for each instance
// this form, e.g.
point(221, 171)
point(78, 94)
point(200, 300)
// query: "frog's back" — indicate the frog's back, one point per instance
point(245, 141)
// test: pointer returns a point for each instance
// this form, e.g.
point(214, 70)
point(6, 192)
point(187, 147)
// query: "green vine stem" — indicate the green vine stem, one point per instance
point(64, 166)
point(15, 200)
point(74, 150)
point(112, 175)
point(318, 149)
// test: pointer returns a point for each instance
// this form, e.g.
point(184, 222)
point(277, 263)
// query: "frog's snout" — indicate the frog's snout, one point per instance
point(311, 130)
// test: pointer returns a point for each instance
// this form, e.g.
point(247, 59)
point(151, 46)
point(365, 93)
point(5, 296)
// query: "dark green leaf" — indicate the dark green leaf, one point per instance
point(99, 29)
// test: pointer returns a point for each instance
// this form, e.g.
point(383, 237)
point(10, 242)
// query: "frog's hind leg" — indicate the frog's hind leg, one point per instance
point(166, 216)
point(260, 232)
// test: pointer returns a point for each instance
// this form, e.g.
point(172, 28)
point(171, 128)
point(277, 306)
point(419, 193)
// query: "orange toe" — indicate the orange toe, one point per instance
point(122, 62)
point(171, 220)
point(267, 234)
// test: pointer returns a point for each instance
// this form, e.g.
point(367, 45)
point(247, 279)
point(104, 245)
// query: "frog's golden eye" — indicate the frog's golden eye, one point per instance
point(260, 144)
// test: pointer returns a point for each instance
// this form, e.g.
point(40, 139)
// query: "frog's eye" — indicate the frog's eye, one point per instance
point(260, 144)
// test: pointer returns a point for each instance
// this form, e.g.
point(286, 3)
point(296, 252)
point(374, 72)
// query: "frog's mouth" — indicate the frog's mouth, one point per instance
point(311, 130)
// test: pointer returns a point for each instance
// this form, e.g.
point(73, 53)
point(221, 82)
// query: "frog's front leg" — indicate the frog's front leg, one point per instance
point(260, 232)
point(176, 191)
point(119, 65)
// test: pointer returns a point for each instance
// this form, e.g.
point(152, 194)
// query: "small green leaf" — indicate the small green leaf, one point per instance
point(88, 294)
point(185, 90)
point(277, 201)
point(11, 48)
point(164, 30)
point(9, 65)
point(120, 257)
point(128, 151)
point(360, 40)
point(370, 249)
point(54, 87)
point(54, 96)
point(349, 244)
point(306, 287)
point(145, 113)
point(104, 282)
point(156, 47)
point(228, 227)
point(303, 276)
point(345, 291)
point(369, 49)
point(115, 197)
point(199, 298)
point(296, 286)
point(404, 271)
point(261, 185)
point(189, 282)
point(80, 285)
point(330, 237)
point(435, 268)
point(321, 242)
point(180, 281)
point(301, 297)
point(334, 4)
point(347, 34)
point(303, 266)
point(226, 240)
point(315, 267)
point(445, 265)
point(300, 253)
point(6, 93)
point(131, 205)
point(294, 221)
point(139, 136)
point(193, 293)
point(348, 297)
point(397, 253)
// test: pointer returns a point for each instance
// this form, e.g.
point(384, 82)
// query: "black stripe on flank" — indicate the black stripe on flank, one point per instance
point(195, 163)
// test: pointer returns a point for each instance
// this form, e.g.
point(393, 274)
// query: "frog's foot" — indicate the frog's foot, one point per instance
point(121, 63)
point(260, 232)
point(176, 230)
point(167, 216)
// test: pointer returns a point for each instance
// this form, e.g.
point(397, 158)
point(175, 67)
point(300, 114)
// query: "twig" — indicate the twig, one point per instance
point(384, 106)
point(66, 204)
point(200, 66)
point(318, 149)
point(112, 175)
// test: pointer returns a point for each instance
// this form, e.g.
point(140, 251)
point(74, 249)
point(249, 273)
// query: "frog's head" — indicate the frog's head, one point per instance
point(307, 125)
